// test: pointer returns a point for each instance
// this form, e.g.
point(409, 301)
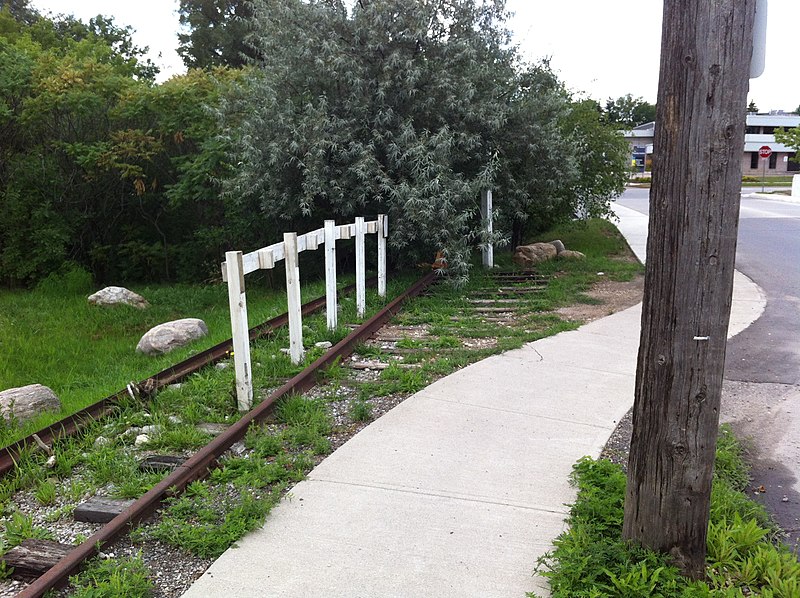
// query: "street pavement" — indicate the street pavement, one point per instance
point(459, 489)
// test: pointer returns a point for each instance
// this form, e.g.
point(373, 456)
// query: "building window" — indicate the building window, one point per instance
point(773, 160)
point(753, 160)
point(751, 130)
point(793, 166)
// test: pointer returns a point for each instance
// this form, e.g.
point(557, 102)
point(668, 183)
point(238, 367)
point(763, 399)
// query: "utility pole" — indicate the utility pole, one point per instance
point(706, 52)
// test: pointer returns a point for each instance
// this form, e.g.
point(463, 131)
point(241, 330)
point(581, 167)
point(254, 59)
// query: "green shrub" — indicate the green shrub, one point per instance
point(591, 560)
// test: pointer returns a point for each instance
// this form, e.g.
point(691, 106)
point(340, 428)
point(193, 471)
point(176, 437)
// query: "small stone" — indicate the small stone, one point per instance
point(323, 345)
point(222, 365)
point(101, 441)
point(51, 462)
point(785, 498)
point(151, 429)
point(238, 449)
point(176, 386)
point(601, 273)
point(212, 429)
point(174, 419)
point(285, 350)
point(141, 439)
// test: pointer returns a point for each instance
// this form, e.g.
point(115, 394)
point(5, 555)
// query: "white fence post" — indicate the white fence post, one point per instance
point(239, 331)
point(330, 273)
point(293, 296)
point(486, 216)
point(361, 293)
point(383, 226)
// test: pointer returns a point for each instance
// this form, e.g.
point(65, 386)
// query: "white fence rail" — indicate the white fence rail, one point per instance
point(237, 265)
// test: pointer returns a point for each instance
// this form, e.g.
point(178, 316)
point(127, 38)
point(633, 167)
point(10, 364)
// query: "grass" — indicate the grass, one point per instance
point(214, 513)
point(112, 578)
point(591, 559)
point(52, 336)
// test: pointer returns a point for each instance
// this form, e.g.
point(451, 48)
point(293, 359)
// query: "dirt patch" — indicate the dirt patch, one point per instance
point(608, 297)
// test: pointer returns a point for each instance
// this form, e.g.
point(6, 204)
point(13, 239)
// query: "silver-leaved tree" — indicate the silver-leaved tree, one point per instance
point(411, 108)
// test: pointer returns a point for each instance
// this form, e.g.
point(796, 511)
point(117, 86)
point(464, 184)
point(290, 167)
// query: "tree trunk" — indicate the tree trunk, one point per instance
point(694, 210)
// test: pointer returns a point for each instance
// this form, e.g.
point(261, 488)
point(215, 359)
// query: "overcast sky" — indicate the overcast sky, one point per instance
point(600, 49)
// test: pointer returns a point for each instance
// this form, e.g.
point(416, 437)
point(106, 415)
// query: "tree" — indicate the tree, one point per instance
point(752, 108)
point(20, 10)
point(602, 159)
point(628, 112)
point(99, 166)
point(691, 247)
point(790, 137)
point(401, 107)
point(217, 33)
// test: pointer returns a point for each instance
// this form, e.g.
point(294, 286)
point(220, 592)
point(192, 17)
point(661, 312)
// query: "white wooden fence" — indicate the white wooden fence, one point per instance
point(237, 265)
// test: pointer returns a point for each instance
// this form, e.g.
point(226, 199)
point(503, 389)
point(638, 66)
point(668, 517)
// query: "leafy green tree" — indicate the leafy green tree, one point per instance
point(628, 112)
point(602, 155)
point(101, 167)
point(751, 107)
point(216, 33)
point(790, 137)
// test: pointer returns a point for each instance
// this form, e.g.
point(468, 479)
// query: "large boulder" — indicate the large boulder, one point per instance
point(171, 335)
point(25, 402)
point(117, 296)
point(527, 256)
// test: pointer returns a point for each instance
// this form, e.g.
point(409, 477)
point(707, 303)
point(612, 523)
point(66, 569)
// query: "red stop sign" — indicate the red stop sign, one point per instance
point(765, 151)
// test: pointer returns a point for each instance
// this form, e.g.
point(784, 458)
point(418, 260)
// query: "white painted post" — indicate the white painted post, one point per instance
point(486, 216)
point(330, 273)
point(361, 276)
point(293, 295)
point(383, 226)
point(241, 340)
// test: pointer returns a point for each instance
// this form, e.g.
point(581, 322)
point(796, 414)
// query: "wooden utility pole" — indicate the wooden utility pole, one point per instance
point(694, 209)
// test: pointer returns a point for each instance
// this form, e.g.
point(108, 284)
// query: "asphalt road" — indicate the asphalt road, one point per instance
point(761, 394)
point(768, 252)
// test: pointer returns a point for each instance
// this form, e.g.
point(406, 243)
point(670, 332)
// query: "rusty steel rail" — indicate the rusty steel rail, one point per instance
point(72, 424)
point(199, 465)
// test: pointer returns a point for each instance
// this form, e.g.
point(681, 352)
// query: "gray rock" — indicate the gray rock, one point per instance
point(118, 296)
point(558, 245)
point(141, 439)
point(213, 429)
point(323, 345)
point(171, 335)
point(526, 256)
point(26, 402)
point(568, 254)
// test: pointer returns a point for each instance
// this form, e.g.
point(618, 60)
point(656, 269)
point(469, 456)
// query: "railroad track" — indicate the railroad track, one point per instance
point(401, 348)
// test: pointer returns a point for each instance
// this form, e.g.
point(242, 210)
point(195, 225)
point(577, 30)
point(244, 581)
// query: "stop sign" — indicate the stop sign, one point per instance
point(765, 151)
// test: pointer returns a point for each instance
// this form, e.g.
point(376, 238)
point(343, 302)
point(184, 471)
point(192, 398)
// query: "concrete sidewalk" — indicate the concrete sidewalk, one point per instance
point(458, 490)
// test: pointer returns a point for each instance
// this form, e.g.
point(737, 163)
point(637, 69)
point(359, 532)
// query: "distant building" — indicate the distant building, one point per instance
point(759, 131)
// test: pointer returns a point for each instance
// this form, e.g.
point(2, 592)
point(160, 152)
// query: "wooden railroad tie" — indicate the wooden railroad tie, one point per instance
point(100, 509)
point(33, 558)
